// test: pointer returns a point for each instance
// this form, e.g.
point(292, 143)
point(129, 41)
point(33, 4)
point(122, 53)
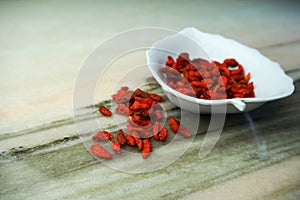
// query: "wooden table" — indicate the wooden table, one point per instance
point(261, 162)
point(49, 161)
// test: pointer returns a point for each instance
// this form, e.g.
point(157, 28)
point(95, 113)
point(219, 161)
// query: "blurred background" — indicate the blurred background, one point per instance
point(43, 43)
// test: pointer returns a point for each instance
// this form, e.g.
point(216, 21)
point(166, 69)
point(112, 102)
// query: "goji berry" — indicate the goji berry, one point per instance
point(104, 111)
point(170, 61)
point(156, 113)
point(116, 147)
point(140, 93)
point(102, 136)
point(147, 148)
point(120, 92)
point(144, 113)
point(141, 104)
point(143, 132)
point(100, 151)
point(156, 97)
point(247, 77)
point(184, 131)
point(200, 78)
point(231, 62)
point(239, 70)
point(178, 128)
point(130, 140)
point(174, 124)
point(159, 131)
point(124, 98)
point(122, 109)
point(140, 121)
point(121, 137)
point(138, 140)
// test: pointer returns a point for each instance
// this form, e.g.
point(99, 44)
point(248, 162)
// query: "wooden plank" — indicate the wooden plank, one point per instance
point(286, 54)
point(254, 184)
point(64, 169)
point(49, 161)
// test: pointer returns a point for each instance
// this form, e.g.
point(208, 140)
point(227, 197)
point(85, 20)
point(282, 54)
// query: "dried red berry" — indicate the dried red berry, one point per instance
point(147, 148)
point(122, 109)
point(100, 151)
point(140, 93)
point(174, 124)
point(231, 62)
point(120, 92)
point(178, 128)
point(130, 140)
point(102, 136)
point(140, 120)
point(144, 113)
point(104, 111)
point(116, 147)
point(138, 140)
point(184, 131)
point(121, 137)
point(141, 104)
point(156, 97)
point(160, 132)
point(156, 113)
point(170, 61)
point(200, 78)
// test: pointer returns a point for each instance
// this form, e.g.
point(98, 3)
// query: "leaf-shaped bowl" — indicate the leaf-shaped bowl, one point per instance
point(270, 81)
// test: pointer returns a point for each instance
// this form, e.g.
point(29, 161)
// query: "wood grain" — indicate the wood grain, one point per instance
point(63, 168)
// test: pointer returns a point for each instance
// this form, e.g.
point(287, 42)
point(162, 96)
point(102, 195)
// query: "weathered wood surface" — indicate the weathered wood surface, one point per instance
point(63, 169)
point(48, 160)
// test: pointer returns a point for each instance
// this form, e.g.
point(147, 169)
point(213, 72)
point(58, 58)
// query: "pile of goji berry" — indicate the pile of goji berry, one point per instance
point(145, 116)
point(208, 80)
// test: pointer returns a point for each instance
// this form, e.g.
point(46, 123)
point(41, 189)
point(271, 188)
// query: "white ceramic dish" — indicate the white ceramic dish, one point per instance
point(270, 81)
